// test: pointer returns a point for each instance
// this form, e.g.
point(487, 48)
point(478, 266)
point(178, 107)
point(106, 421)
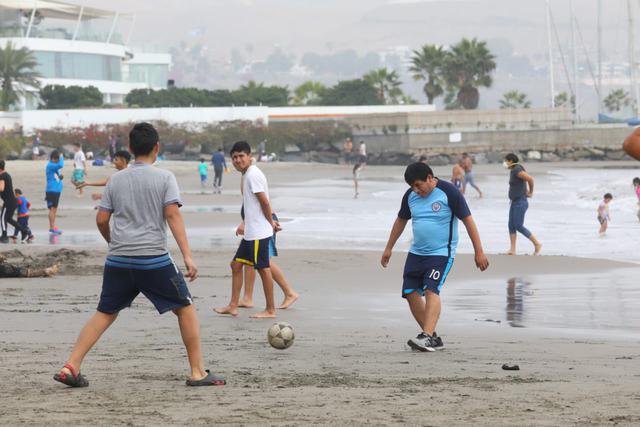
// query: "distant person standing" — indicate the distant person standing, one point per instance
point(54, 188)
point(219, 166)
point(519, 179)
point(9, 203)
point(79, 168)
point(457, 176)
point(603, 214)
point(636, 187)
point(204, 174)
point(469, 178)
point(347, 148)
point(262, 151)
point(112, 146)
point(35, 150)
point(357, 168)
point(362, 153)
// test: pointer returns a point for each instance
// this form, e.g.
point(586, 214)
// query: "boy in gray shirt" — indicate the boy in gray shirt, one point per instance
point(141, 200)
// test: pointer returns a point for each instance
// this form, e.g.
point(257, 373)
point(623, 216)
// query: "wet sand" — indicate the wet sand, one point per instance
point(571, 324)
point(349, 365)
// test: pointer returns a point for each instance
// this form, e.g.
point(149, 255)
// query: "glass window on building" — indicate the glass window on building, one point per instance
point(81, 66)
point(154, 75)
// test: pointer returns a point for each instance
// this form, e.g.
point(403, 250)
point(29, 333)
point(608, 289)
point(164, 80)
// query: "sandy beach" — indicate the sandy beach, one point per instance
point(570, 322)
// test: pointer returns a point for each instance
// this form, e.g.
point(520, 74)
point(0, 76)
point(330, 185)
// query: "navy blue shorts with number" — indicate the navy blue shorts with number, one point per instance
point(157, 277)
point(254, 253)
point(423, 273)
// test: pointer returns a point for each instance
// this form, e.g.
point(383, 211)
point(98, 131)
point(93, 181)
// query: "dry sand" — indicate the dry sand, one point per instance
point(349, 365)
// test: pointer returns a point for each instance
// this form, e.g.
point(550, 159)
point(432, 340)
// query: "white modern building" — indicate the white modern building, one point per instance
point(81, 46)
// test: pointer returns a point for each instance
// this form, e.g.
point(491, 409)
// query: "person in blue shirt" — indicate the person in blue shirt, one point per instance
point(434, 207)
point(23, 218)
point(54, 188)
point(219, 166)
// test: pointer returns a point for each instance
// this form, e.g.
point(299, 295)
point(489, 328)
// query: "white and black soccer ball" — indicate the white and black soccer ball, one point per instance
point(281, 335)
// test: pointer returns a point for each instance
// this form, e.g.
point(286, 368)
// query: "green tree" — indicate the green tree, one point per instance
point(351, 92)
point(308, 93)
point(387, 84)
point(513, 100)
point(258, 94)
point(562, 100)
point(17, 72)
point(426, 64)
point(617, 100)
point(58, 97)
point(468, 67)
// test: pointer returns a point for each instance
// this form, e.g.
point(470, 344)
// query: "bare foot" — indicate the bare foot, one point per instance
point(288, 300)
point(538, 248)
point(264, 315)
point(227, 310)
point(51, 270)
point(245, 303)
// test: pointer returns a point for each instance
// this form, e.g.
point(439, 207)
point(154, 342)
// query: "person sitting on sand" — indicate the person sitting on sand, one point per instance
point(12, 270)
point(434, 207)
point(519, 179)
point(603, 214)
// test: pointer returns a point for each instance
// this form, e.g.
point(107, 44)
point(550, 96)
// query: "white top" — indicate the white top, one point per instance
point(363, 150)
point(79, 159)
point(256, 226)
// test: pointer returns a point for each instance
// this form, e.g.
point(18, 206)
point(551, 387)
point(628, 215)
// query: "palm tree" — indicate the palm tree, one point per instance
point(387, 84)
point(562, 100)
point(617, 100)
point(467, 68)
point(308, 93)
point(426, 64)
point(513, 100)
point(17, 72)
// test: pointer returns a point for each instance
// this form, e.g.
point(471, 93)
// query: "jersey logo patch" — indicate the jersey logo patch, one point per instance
point(436, 206)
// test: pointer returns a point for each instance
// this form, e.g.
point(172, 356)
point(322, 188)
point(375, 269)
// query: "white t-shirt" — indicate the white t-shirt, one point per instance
point(256, 226)
point(363, 150)
point(79, 159)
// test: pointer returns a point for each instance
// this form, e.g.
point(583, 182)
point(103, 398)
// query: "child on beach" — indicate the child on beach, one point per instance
point(258, 230)
point(434, 207)
point(79, 168)
point(121, 161)
point(603, 213)
point(23, 218)
point(142, 200)
point(636, 187)
point(53, 190)
point(202, 169)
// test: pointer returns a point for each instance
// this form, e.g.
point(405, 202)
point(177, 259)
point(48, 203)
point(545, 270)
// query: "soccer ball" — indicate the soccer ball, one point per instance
point(280, 335)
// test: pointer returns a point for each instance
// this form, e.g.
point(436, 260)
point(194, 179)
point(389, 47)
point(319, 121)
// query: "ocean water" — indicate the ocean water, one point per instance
point(322, 214)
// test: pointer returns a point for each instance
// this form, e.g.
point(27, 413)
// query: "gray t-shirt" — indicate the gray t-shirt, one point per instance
point(517, 185)
point(137, 197)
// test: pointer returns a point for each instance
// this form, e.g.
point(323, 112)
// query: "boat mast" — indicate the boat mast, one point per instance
point(576, 113)
point(549, 48)
point(599, 56)
point(632, 57)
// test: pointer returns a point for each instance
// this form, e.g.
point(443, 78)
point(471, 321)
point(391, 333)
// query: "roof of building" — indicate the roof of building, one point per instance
point(57, 9)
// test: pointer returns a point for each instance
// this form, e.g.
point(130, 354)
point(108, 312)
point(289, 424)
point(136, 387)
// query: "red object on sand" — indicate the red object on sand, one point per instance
point(631, 145)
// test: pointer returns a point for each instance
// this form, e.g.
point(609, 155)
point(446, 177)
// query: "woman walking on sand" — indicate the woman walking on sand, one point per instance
point(519, 179)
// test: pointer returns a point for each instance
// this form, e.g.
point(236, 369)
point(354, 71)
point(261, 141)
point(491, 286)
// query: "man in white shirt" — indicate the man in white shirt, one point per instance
point(79, 168)
point(362, 153)
point(259, 227)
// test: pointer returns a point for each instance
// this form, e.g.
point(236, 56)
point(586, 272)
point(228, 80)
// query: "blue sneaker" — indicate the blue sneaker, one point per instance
point(55, 231)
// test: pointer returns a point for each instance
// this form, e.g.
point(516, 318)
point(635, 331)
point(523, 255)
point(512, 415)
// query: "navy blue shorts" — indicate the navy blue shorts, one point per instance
point(254, 253)
point(52, 199)
point(423, 273)
point(157, 277)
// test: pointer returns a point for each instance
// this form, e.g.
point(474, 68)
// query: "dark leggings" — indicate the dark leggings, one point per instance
point(517, 210)
point(24, 223)
point(6, 217)
point(217, 180)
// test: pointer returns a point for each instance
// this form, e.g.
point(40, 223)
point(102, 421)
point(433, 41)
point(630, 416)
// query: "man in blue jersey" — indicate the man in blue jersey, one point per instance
point(434, 207)
point(219, 166)
point(54, 188)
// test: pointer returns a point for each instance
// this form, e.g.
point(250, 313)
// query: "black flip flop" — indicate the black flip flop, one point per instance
point(76, 379)
point(210, 379)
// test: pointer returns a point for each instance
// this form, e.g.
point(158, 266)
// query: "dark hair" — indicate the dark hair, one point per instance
point(417, 172)
point(77, 144)
point(201, 159)
point(608, 196)
point(2, 164)
point(240, 147)
point(18, 191)
point(220, 149)
point(636, 181)
point(142, 139)
point(123, 154)
point(55, 155)
point(512, 158)
point(422, 158)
